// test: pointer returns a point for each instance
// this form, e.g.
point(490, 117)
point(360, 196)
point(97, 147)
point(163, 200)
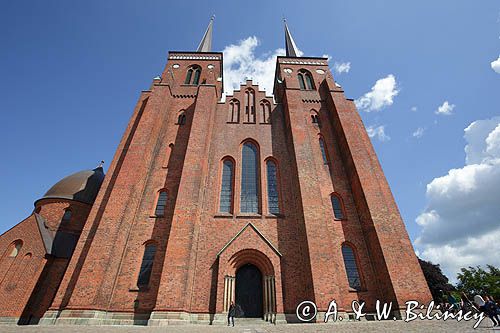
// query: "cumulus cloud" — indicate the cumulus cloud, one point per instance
point(413, 109)
point(461, 224)
point(445, 109)
point(378, 132)
point(342, 67)
point(495, 65)
point(381, 95)
point(241, 63)
point(419, 132)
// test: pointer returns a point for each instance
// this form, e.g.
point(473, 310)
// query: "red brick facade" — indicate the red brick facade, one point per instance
point(177, 139)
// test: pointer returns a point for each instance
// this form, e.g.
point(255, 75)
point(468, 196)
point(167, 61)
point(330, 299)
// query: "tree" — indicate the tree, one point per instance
point(436, 280)
point(475, 280)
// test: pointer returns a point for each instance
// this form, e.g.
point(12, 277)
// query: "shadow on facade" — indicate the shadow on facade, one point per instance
point(292, 237)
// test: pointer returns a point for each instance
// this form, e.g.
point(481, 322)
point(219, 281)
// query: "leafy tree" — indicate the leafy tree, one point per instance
point(436, 280)
point(475, 280)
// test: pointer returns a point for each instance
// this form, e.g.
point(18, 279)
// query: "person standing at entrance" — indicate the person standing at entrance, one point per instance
point(230, 314)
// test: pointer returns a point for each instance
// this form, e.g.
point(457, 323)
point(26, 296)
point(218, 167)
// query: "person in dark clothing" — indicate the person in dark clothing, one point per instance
point(490, 308)
point(230, 314)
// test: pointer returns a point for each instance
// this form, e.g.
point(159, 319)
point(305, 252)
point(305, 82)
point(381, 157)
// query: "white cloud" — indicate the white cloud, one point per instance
point(413, 109)
point(419, 132)
point(342, 67)
point(240, 63)
point(378, 132)
point(445, 109)
point(495, 65)
point(461, 224)
point(381, 95)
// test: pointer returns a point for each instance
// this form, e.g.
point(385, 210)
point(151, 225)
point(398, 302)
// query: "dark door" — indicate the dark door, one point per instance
point(249, 291)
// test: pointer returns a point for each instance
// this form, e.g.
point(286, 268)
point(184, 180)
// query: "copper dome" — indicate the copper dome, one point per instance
point(82, 186)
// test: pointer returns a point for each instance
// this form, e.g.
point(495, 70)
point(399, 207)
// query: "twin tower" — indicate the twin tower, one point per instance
point(259, 201)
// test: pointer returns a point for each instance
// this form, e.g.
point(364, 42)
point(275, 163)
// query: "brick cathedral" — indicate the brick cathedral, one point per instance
point(265, 201)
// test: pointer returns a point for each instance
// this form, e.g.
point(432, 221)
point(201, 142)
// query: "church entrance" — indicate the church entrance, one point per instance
point(249, 291)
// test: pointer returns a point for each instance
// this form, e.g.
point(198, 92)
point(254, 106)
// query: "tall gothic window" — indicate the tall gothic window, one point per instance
point(161, 203)
point(305, 80)
point(146, 265)
point(234, 111)
point(193, 75)
point(226, 191)
point(272, 188)
point(351, 267)
point(338, 212)
point(323, 150)
point(249, 179)
point(250, 106)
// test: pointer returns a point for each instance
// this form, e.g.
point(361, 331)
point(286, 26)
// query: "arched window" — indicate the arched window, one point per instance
point(226, 191)
point(305, 80)
point(15, 248)
point(338, 212)
point(67, 216)
point(196, 78)
point(161, 203)
point(323, 150)
point(189, 75)
point(272, 188)
point(302, 84)
point(193, 75)
point(250, 106)
point(265, 107)
point(234, 111)
point(181, 119)
point(146, 265)
point(249, 179)
point(309, 81)
point(314, 117)
point(351, 267)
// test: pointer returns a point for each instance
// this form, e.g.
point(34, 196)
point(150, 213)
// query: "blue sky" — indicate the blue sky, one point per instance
point(71, 73)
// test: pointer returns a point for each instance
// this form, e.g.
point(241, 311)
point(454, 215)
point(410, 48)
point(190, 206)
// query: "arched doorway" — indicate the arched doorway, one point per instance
point(249, 291)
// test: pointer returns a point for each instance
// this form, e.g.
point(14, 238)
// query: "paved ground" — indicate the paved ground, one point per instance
point(346, 327)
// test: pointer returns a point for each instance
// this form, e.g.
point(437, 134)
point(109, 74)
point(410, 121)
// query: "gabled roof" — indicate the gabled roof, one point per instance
point(249, 224)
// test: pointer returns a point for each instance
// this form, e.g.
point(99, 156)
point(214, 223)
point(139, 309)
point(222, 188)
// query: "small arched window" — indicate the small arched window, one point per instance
point(181, 119)
point(67, 216)
point(338, 211)
point(305, 80)
point(250, 106)
point(146, 265)
point(272, 188)
point(226, 191)
point(314, 117)
point(234, 111)
point(249, 179)
point(15, 248)
point(193, 75)
point(351, 267)
point(265, 107)
point(161, 203)
point(323, 150)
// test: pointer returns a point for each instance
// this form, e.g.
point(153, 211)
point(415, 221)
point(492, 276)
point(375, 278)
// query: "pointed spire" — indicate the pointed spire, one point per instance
point(291, 48)
point(206, 41)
